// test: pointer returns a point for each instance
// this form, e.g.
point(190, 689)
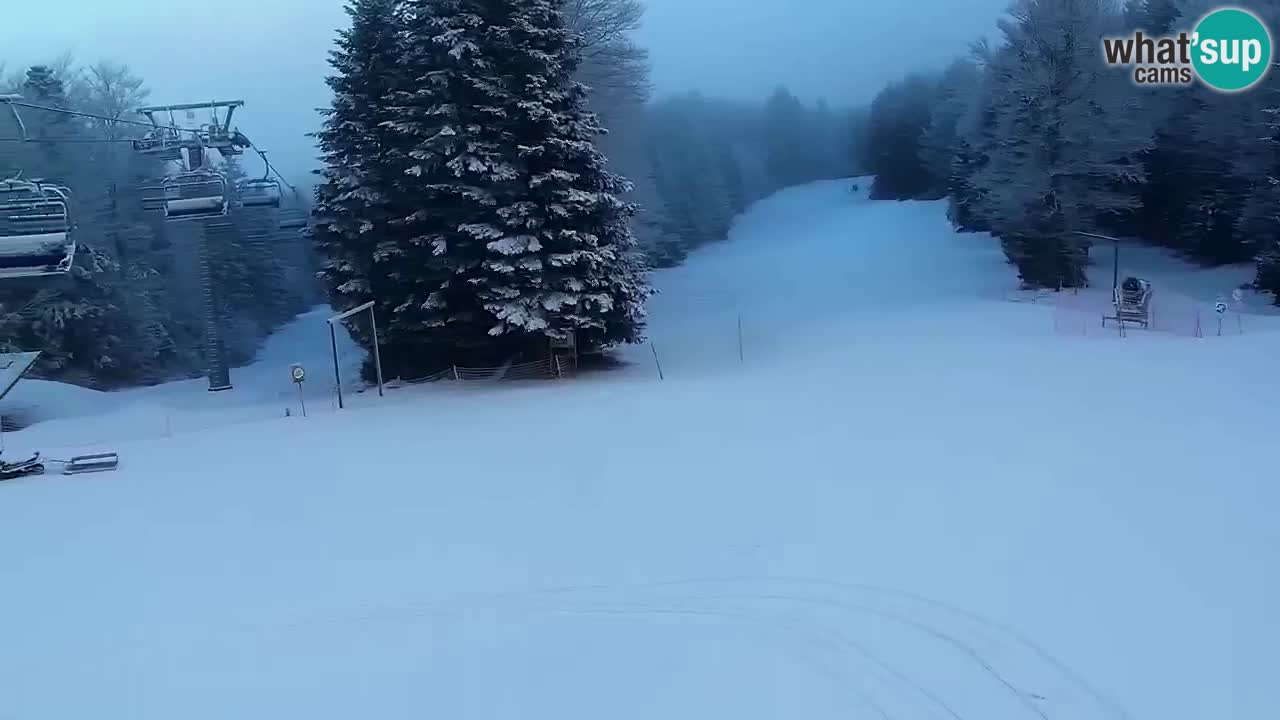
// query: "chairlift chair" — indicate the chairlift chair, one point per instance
point(226, 141)
point(293, 220)
point(163, 143)
point(260, 192)
point(195, 195)
point(36, 236)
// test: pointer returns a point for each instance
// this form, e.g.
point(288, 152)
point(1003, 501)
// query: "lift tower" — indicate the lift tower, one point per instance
point(197, 197)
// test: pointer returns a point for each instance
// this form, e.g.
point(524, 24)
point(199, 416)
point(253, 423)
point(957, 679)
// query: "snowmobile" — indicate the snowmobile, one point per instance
point(31, 466)
point(101, 462)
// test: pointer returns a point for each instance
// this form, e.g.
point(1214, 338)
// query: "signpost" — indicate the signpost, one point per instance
point(1238, 296)
point(299, 374)
point(1221, 308)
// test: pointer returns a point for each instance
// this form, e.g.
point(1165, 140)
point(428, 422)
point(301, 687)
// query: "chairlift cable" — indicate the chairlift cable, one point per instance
point(93, 116)
point(64, 140)
point(136, 123)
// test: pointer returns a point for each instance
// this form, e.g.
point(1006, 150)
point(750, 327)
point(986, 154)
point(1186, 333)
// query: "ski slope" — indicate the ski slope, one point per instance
point(904, 498)
point(67, 417)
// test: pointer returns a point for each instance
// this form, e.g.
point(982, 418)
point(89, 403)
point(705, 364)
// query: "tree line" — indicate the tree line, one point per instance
point(1034, 139)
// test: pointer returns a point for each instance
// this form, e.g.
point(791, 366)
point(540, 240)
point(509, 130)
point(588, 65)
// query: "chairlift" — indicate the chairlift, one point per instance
point(163, 143)
point(293, 220)
point(36, 238)
point(263, 191)
point(195, 195)
point(260, 192)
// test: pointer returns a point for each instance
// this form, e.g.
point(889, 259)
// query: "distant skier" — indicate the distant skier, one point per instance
point(854, 189)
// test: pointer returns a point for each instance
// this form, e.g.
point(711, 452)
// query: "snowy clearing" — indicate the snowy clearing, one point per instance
point(909, 498)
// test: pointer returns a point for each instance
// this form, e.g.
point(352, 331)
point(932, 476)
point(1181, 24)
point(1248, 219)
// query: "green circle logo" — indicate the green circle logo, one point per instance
point(1232, 49)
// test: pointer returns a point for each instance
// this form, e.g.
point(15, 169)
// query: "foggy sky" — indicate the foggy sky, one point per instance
point(843, 50)
point(272, 53)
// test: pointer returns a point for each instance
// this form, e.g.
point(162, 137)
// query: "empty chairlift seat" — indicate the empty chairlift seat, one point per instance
point(195, 196)
point(293, 220)
point(260, 194)
point(35, 230)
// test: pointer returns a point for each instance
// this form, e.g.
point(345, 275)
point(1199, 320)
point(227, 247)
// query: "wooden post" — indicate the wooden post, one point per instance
point(455, 372)
point(377, 357)
point(1115, 266)
point(656, 361)
point(337, 374)
point(740, 357)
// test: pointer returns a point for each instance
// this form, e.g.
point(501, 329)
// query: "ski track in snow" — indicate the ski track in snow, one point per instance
point(892, 495)
point(635, 603)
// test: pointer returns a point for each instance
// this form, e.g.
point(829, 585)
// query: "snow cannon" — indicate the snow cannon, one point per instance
point(1132, 302)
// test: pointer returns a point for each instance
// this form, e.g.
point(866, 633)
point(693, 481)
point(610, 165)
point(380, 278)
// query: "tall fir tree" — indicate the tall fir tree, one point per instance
point(518, 235)
point(360, 190)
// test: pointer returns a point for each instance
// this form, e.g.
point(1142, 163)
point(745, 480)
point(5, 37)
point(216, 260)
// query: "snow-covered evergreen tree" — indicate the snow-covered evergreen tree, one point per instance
point(697, 170)
point(518, 235)
point(940, 144)
point(1259, 223)
point(795, 140)
point(1066, 139)
point(359, 193)
point(899, 116)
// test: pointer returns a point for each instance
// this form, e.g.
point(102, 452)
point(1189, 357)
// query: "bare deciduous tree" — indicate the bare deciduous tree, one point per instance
point(616, 69)
point(113, 91)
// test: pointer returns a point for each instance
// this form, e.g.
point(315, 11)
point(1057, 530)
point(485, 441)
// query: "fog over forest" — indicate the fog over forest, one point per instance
point(272, 53)
point(501, 176)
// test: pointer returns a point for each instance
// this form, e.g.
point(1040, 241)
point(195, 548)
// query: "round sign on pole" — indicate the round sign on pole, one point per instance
point(1221, 307)
point(298, 373)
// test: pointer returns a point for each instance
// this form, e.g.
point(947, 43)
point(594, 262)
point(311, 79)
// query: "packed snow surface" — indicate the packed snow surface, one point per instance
point(894, 494)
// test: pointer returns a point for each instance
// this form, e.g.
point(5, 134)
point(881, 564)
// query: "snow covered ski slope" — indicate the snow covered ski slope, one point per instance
point(905, 498)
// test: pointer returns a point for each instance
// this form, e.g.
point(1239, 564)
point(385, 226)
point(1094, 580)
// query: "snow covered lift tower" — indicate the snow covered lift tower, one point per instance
point(197, 196)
